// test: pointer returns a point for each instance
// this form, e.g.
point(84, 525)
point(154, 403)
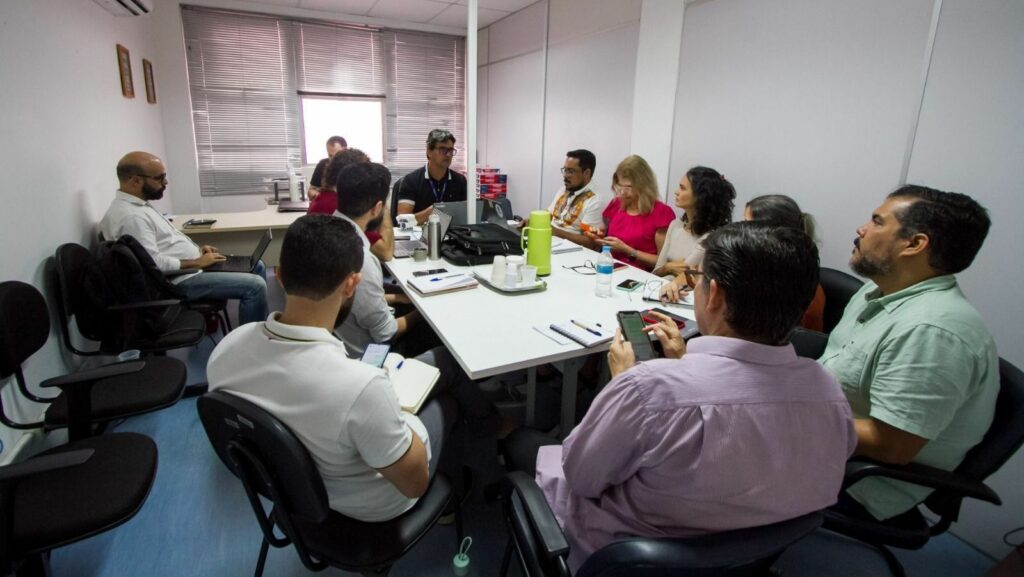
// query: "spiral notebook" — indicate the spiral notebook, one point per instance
point(590, 334)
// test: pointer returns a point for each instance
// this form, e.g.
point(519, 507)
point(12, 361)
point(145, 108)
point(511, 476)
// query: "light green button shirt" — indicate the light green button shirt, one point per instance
point(921, 360)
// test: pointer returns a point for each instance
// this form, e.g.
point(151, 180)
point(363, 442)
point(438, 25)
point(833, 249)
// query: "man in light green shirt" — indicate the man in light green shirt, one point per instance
point(915, 359)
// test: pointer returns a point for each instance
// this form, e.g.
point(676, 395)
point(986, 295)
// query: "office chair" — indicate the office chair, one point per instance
point(542, 550)
point(87, 398)
point(912, 530)
point(839, 287)
point(187, 329)
point(394, 200)
point(69, 493)
point(808, 344)
point(271, 462)
point(213, 310)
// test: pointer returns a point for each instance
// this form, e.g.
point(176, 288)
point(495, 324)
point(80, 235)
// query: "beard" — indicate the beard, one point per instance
point(869, 266)
point(571, 187)
point(375, 223)
point(152, 192)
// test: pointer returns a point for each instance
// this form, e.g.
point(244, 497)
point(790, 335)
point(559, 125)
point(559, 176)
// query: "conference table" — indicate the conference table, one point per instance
point(490, 332)
point(238, 232)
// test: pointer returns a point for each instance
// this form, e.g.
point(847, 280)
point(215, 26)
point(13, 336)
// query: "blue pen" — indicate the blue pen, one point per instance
point(399, 365)
point(586, 328)
point(437, 278)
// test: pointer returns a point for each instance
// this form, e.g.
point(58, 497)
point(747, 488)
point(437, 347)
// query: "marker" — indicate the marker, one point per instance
point(586, 328)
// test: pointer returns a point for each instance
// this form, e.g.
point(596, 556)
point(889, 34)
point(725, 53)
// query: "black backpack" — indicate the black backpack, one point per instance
point(473, 244)
point(122, 272)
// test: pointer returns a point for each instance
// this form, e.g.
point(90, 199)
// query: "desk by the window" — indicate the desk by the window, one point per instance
point(491, 333)
point(238, 232)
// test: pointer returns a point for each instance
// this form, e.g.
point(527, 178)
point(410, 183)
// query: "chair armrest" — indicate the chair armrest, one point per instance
point(44, 464)
point(543, 521)
point(919, 474)
point(145, 305)
point(179, 272)
point(97, 374)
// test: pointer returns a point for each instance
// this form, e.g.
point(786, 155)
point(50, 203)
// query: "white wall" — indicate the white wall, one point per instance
point(64, 127)
point(971, 139)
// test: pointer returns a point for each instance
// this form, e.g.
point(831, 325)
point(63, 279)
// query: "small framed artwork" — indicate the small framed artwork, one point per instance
point(147, 73)
point(124, 65)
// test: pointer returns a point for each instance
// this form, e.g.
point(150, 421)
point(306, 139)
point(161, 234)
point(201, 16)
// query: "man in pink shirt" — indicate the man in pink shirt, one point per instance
point(732, 430)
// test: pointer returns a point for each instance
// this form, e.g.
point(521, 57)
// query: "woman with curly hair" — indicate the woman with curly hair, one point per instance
point(635, 220)
point(706, 198)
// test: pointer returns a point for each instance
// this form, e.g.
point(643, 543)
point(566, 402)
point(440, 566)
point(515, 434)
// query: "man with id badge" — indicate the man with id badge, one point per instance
point(435, 182)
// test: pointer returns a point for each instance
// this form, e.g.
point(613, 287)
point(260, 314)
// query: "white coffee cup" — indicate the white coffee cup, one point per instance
point(498, 270)
point(513, 270)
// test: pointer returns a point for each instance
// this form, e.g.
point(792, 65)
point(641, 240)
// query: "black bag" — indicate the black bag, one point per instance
point(121, 273)
point(473, 244)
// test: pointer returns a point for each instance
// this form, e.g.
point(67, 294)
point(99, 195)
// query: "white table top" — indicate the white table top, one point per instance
point(239, 221)
point(491, 333)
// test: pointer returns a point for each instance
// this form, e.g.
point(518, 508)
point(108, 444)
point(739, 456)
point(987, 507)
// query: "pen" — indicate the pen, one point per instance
point(399, 365)
point(586, 328)
point(437, 278)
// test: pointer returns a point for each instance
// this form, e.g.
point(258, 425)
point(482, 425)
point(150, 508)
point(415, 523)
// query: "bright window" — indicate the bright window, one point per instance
point(359, 121)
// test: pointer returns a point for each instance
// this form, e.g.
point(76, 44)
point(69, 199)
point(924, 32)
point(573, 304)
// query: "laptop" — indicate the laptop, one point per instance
point(243, 263)
point(293, 206)
point(458, 209)
point(405, 248)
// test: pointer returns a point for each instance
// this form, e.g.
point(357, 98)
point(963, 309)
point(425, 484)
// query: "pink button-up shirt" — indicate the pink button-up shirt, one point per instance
point(734, 435)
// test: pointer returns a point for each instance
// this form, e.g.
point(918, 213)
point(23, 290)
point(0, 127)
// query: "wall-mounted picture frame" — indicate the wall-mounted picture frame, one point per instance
point(124, 65)
point(147, 74)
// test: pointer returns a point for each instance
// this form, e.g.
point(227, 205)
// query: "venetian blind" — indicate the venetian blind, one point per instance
point(246, 71)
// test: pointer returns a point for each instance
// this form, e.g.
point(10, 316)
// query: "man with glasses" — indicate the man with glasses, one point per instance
point(575, 205)
point(730, 430)
point(143, 178)
point(435, 182)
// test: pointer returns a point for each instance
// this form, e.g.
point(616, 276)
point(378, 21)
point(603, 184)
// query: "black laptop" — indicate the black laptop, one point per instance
point(244, 263)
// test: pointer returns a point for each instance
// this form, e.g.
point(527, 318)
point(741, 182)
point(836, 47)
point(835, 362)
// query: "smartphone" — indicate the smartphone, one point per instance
point(632, 325)
point(651, 319)
point(629, 285)
point(375, 354)
point(429, 272)
point(200, 222)
point(618, 266)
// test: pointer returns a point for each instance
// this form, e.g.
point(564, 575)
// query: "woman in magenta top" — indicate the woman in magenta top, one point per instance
point(635, 220)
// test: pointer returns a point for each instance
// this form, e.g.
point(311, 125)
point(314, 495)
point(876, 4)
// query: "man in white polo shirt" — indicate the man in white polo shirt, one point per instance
point(375, 460)
point(143, 177)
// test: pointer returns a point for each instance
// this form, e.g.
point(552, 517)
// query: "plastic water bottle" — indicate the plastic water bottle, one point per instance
point(434, 234)
point(604, 273)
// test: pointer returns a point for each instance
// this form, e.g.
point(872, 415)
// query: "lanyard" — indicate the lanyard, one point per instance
point(444, 186)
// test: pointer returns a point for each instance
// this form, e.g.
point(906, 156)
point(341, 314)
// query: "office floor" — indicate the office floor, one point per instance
point(197, 521)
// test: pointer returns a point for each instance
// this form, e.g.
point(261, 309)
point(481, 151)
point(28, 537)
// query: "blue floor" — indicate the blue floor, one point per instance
point(197, 522)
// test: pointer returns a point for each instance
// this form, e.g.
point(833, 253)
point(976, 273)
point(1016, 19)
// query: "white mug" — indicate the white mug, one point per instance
point(406, 221)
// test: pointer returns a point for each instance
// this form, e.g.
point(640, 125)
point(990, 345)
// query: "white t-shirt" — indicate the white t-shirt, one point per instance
point(344, 411)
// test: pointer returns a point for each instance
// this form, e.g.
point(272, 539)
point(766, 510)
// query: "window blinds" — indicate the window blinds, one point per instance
point(245, 72)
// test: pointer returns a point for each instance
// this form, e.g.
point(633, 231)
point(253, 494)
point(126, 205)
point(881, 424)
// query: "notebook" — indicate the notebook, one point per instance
point(244, 263)
point(561, 246)
point(412, 380)
point(443, 283)
point(405, 248)
point(590, 334)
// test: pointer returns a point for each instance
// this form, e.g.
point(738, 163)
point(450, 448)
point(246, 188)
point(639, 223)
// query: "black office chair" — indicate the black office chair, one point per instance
point(542, 551)
point(213, 310)
point(394, 200)
point(808, 344)
point(93, 323)
point(70, 493)
point(839, 287)
point(87, 399)
point(911, 530)
point(272, 463)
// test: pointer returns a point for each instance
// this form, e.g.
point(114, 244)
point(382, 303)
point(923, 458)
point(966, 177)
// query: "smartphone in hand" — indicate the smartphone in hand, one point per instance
point(632, 325)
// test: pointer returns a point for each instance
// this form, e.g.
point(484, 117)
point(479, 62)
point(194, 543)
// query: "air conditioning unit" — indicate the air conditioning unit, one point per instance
point(126, 7)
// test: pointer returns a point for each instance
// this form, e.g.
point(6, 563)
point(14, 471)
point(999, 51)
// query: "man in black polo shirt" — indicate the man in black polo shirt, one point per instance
point(435, 182)
point(335, 144)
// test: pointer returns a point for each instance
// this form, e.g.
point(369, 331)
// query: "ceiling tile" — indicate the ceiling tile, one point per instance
point(503, 5)
point(289, 3)
point(408, 10)
point(455, 16)
point(357, 7)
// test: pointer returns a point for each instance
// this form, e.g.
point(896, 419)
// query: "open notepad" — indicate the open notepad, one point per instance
point(412, 380)
point(442, 283)
point(588, 335)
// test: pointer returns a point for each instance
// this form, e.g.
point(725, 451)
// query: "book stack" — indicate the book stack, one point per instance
point(442, 283)
point(490, 182)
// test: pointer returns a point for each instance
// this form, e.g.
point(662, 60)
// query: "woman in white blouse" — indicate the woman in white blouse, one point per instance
point(706, 198)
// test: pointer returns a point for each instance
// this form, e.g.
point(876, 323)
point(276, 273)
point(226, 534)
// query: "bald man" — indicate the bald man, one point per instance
point(143, 177)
